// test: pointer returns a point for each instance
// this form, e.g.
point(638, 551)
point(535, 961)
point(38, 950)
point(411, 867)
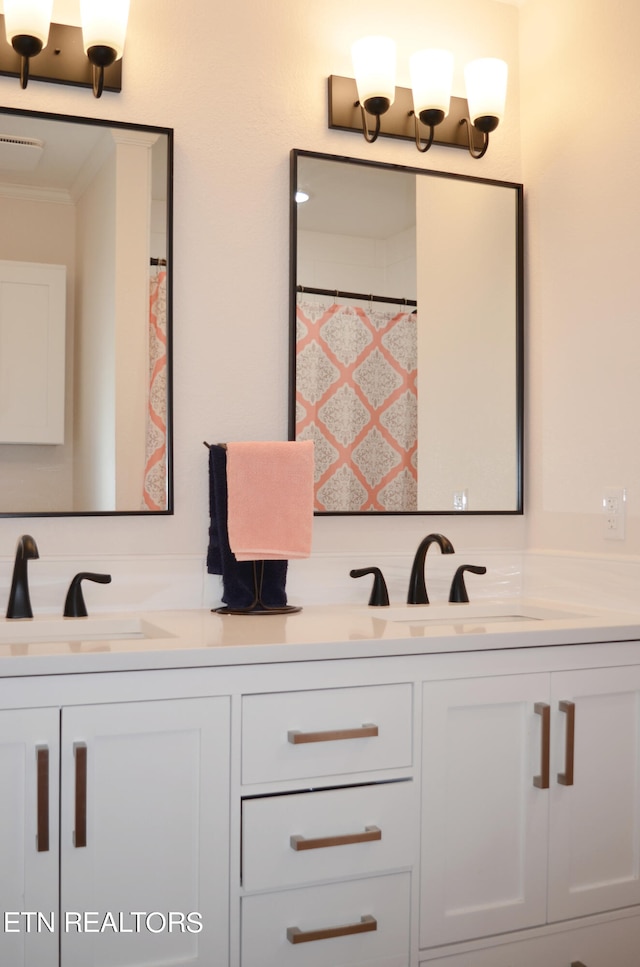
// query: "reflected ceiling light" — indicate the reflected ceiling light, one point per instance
point(73, 55)
point(399, 112)
point(104, 28)
point(301, 196)
point(26, 24)
point(374, 65)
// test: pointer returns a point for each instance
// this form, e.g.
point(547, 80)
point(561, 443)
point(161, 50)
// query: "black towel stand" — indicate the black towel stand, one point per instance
point(257, 606)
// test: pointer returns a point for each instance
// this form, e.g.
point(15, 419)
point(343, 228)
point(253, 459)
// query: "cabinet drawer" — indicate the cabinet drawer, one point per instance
point(337, 731)
point(327, 835)
point(298, 927)
point(615, 943)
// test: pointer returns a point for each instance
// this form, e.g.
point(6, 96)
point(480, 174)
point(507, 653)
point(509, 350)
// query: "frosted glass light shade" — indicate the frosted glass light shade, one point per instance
point(104, 24)
point(486, 83)
point(28, 17)
point(374, 65)
point(431, 80)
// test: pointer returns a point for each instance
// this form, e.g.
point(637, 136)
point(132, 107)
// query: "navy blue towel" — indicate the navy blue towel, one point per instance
point(246, 586)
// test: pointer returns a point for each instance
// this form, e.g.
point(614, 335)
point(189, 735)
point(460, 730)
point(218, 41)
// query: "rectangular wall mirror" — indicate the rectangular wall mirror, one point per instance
point(406, 337)
point(85, 316)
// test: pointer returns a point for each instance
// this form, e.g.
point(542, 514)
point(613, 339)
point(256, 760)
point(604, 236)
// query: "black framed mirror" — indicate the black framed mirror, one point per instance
point(406, 336)
point(85, 316)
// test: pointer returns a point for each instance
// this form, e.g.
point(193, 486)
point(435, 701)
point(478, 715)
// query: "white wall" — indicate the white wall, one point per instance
point(254, 89)
point(580, 119)
point(353, 263)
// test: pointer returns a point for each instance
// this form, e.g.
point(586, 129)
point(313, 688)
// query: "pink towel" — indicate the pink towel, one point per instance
point(270, 500)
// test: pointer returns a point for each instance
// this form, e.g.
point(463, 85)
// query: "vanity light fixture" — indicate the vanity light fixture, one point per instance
point(401, 112)
point(87, 56)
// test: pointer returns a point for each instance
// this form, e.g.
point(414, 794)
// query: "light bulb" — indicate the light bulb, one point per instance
point(104, 24)
point(486, 83)
point(28, 18)
point(374, 64)
point(431, 80)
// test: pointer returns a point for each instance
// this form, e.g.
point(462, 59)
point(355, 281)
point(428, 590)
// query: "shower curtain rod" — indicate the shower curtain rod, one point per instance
point(355, 295)
point(157, 261)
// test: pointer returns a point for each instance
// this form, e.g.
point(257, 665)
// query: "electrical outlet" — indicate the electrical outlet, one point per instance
point(614, 506)
point(460, 499)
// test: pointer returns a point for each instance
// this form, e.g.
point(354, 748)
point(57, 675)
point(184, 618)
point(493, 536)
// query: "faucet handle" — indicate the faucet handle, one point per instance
point(379, 594)
point(74, 606)
point(458, 593)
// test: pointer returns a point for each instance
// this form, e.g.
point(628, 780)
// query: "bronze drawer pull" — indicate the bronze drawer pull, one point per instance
point(364, 925)
point(80, 833)
point(42, 797)
point(566, 778)
point(333, 735)
point(544, 710)
point(370, 834)
point(577, 963)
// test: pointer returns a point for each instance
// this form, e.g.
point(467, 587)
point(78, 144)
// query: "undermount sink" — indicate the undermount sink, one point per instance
point(100, 628)
point(485, 613)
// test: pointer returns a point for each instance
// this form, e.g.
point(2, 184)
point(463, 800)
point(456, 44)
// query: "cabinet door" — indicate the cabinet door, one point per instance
point(29, 756)
point(32, 352)
point(484, 822)
point(594, 854)
point(144, 834)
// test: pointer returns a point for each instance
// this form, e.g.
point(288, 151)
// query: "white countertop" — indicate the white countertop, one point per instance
point(191, 639)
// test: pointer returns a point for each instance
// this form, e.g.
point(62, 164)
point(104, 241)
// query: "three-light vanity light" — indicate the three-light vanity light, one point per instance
point(427, 113)
point(75, 55)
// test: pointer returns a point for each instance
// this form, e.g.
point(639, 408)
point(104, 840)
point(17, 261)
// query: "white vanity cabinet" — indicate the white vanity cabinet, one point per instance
point(476, 806)
point(530, 801)
point(143, 790)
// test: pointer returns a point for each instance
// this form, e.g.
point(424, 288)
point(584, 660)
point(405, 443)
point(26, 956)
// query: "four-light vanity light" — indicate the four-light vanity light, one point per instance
point(428, 106)
point(29, 31)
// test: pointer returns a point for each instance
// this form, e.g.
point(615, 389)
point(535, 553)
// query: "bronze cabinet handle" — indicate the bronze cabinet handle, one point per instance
point(577, 963)
point(80, 832)
point(544, 711)
point(42, 799)
point(566, 778)
point(370, 834)
point(364, 925)
point(333, 735)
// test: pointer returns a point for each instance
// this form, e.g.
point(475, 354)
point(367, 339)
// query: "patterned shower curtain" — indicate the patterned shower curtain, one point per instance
point(155, 473)
point(356, 398)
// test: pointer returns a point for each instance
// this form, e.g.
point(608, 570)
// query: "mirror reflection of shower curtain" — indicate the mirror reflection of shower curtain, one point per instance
point(155, 473)
point(356, 398)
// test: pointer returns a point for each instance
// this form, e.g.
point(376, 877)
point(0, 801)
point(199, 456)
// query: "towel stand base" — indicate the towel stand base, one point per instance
point(258, 606)
point(258, 609)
